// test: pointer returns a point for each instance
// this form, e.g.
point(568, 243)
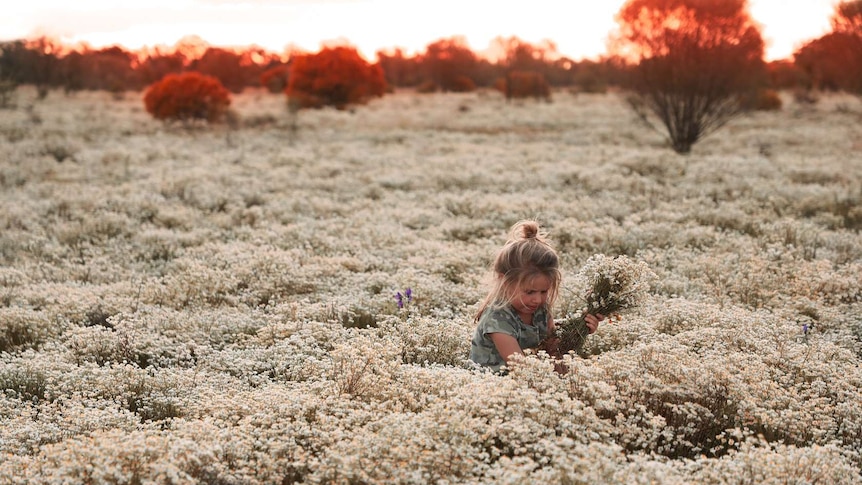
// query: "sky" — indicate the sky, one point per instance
point(579, 28)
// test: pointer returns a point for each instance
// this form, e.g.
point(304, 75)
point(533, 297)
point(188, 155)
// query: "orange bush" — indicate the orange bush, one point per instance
point(450, 64)
point(427, 87)
point(462, 84)
point(274, 79)
point(187, 96)
point(524, 84)
point(336, 76)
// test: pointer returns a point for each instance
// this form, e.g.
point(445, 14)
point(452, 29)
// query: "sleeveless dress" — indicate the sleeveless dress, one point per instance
point(505, 320)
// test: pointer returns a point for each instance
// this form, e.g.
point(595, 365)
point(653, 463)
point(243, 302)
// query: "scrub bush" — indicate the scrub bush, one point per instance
point(336, 76)
point(186, 97)
point(275, 78)
point(695, 61)
point(764, 100)
point(525, 84)
point(462, 84)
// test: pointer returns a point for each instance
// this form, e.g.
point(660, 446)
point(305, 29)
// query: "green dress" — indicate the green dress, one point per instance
point(505, 320)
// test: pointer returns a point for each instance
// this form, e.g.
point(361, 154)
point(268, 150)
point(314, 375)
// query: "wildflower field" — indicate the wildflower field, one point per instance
point(230, 305)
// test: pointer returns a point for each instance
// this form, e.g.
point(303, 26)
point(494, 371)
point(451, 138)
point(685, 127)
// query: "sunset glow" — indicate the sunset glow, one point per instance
point(579, 32)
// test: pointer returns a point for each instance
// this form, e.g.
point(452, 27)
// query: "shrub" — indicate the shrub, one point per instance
point(22, 328)
point(805, 96)
point(525, 84)
point(696, 60)
point(336, 76)
point(462, 84)
point(7, 92)
point(590, 82)
point(275, 78)
point(763, 100)
point(427, 87)
point(225, 65)
point(785, 74)
point(428, 341)
point(448, 61)
point(24, 383)
point(834, 60)
point(186, 97)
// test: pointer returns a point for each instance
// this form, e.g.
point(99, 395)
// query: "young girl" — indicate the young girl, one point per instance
point(516, 314)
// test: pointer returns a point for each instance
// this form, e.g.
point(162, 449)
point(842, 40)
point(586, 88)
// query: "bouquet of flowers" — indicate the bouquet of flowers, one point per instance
point(605, 285)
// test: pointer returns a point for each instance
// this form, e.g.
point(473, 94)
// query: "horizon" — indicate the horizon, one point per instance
point(368, 25)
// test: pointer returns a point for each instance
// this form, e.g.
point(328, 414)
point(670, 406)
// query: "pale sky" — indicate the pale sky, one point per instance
point(579, 28)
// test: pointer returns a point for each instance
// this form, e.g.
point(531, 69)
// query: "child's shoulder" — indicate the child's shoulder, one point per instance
point(496, 313)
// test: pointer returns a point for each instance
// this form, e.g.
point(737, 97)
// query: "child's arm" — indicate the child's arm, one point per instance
point(506, 345)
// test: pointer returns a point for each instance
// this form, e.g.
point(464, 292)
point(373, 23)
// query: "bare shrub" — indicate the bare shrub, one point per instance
point(696, 60)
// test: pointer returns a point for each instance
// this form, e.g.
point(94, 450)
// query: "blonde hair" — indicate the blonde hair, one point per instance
point(526, 255)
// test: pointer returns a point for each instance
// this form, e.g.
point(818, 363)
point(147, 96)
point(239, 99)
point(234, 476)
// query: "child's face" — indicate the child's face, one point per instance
point(533, 295)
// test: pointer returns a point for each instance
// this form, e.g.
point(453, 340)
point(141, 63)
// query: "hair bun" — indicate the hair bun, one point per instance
point(526, 229)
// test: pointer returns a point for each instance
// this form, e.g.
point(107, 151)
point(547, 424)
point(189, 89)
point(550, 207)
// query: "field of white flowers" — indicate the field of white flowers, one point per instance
point(217, 305)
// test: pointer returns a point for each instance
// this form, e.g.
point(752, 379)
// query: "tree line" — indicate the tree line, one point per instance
point(446, 64)
point(830, 62)
point(690, 66)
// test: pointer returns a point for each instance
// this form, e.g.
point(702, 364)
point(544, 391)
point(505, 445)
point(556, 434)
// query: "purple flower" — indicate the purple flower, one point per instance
point(805, 328)
point(402, 299)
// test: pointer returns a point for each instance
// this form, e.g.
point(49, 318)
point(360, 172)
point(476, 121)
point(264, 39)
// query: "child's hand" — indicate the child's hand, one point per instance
point(593, 321)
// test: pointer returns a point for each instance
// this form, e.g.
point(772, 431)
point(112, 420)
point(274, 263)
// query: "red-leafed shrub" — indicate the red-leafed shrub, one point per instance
point(451, 64)
point(524, 84)
point(187, 96)
point(427, 87)
point(834, 61)
point(274, 79)
point(336, 76)
point(462, 84)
